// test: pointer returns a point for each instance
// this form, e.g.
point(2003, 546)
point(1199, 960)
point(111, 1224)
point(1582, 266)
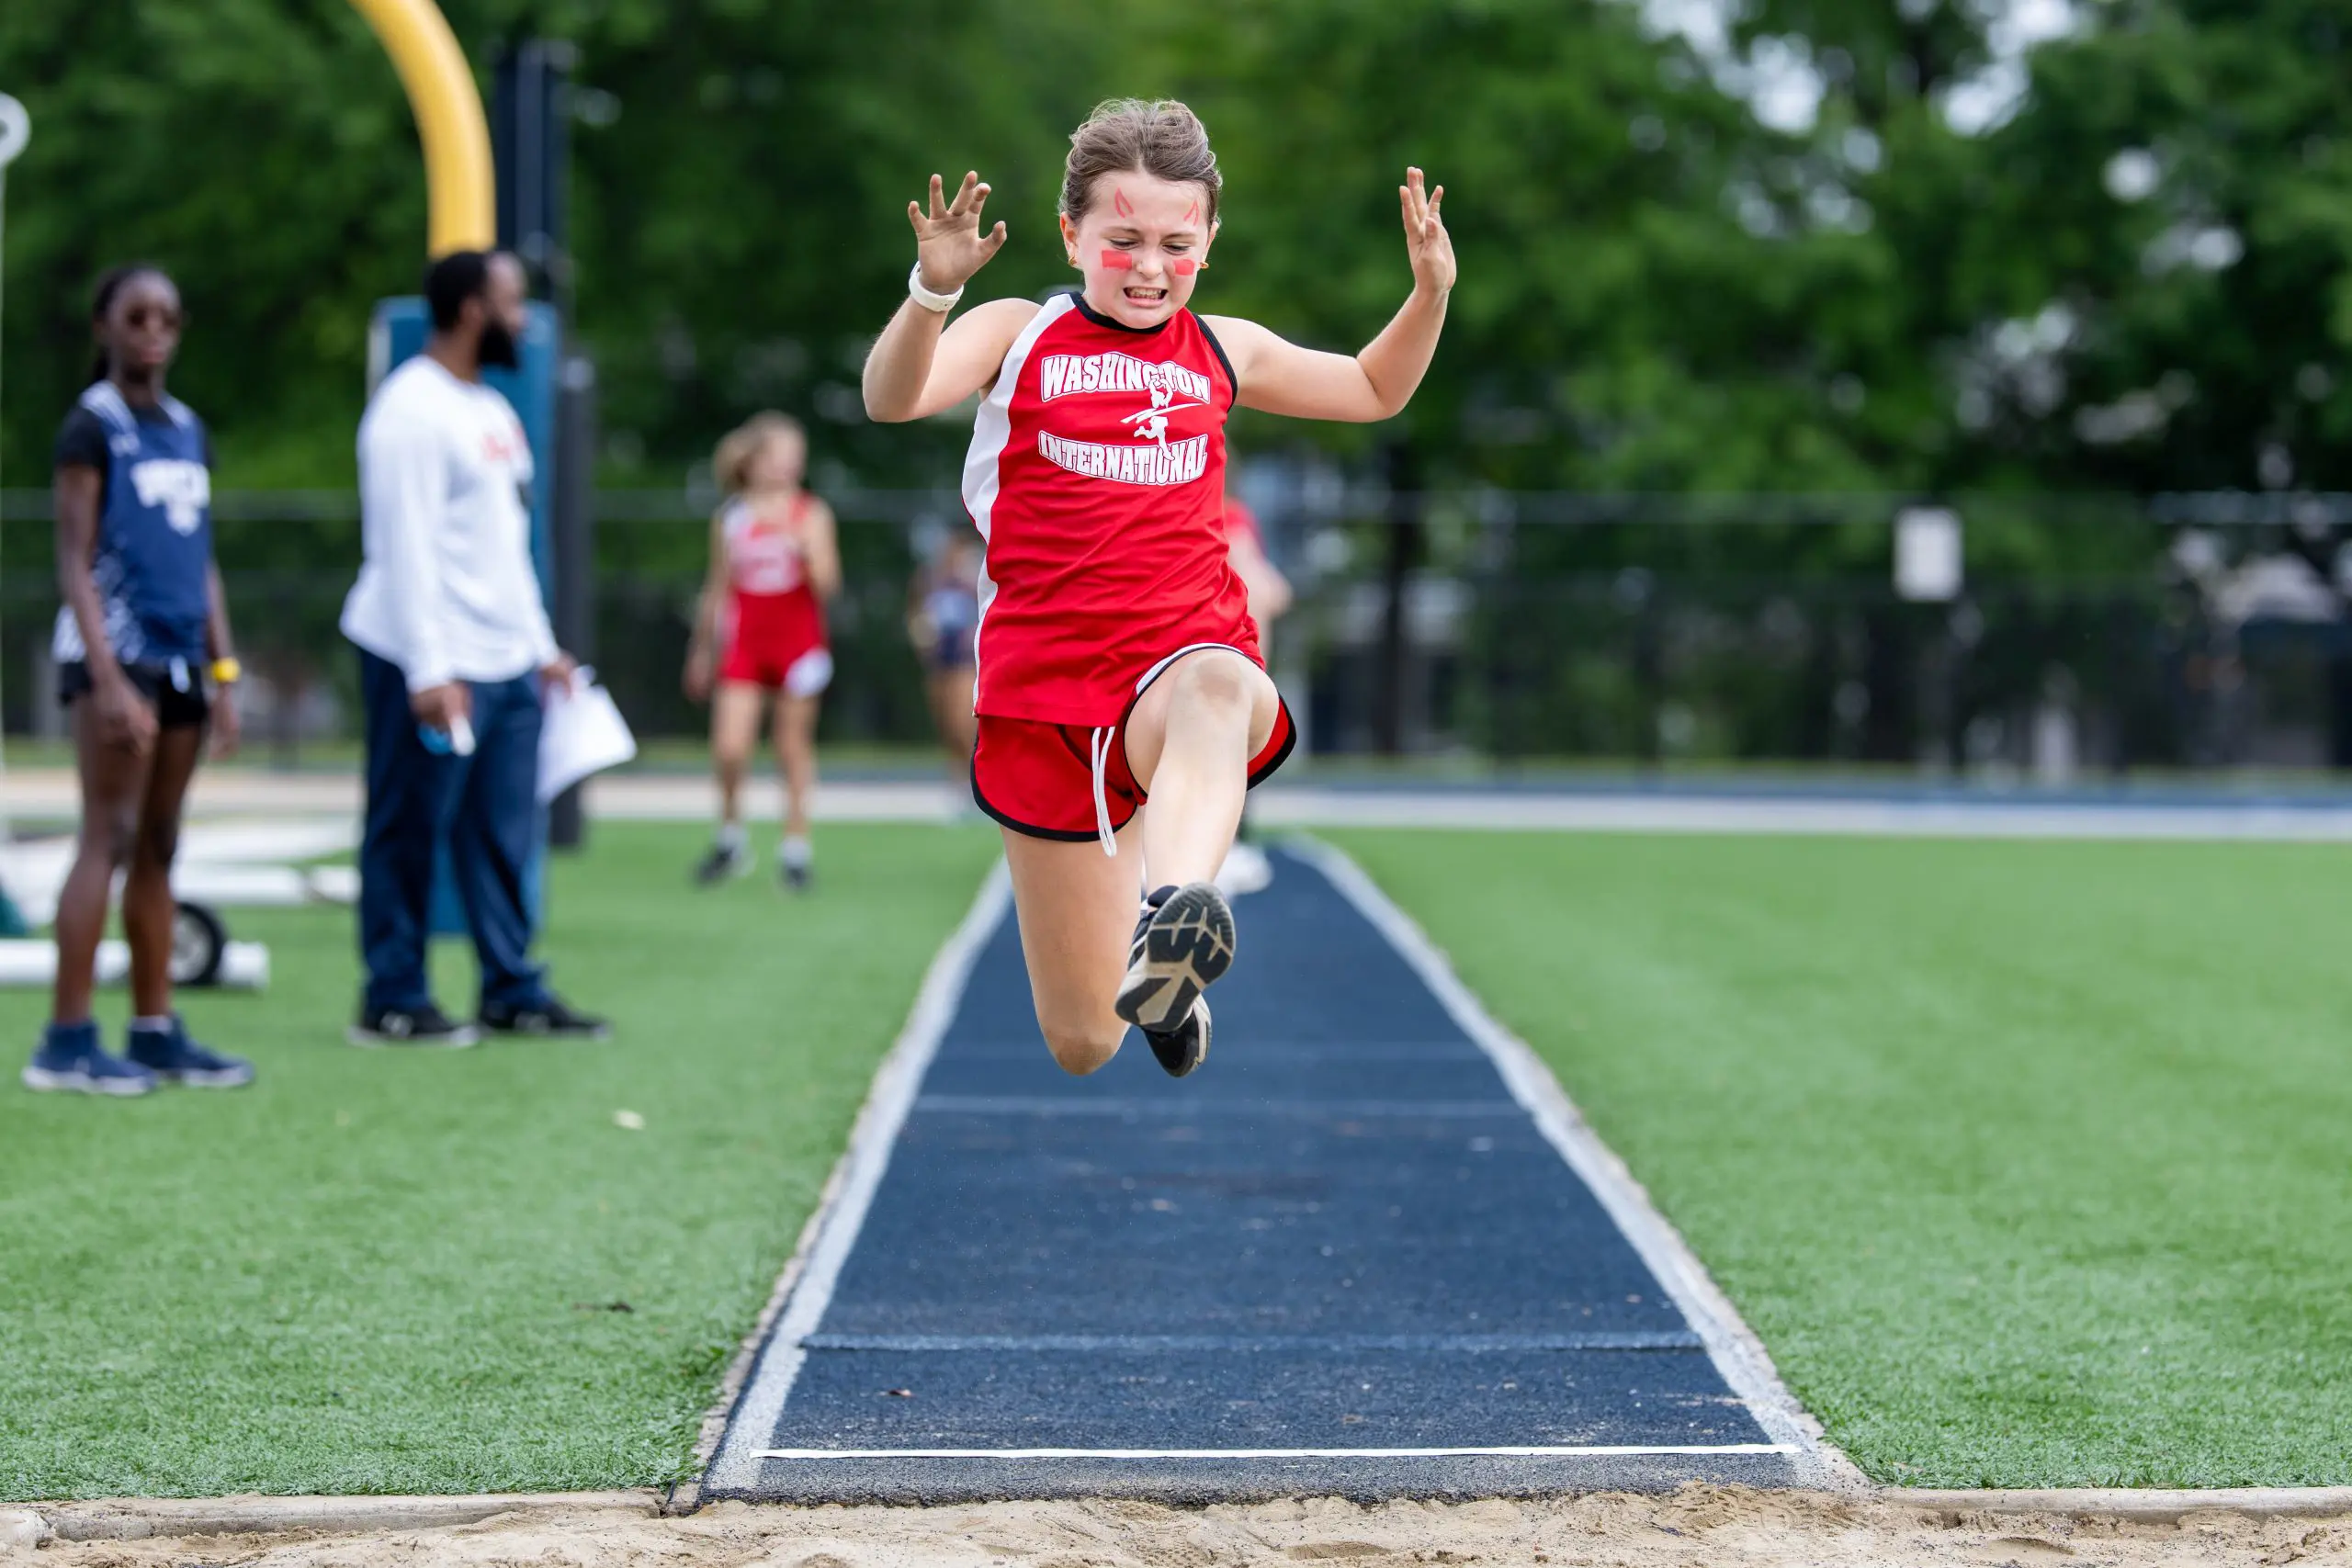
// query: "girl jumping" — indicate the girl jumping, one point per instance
point(1117, 657)
point(759, 633)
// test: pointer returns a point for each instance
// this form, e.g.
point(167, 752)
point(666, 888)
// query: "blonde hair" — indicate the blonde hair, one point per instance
point(731, 463)
point(1160, 136)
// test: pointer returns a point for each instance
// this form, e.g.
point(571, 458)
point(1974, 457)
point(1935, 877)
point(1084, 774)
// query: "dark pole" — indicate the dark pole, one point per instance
point(1404, 550)
point(575, 552)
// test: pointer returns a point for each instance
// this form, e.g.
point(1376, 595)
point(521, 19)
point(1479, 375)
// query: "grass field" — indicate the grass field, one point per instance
point(377, 1271)
point(2028, 1161)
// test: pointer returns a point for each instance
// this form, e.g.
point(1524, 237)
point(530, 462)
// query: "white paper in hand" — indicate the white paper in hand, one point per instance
point(582, 733)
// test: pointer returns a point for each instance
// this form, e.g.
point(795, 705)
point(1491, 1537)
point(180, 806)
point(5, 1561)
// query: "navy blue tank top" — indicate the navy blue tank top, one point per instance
point(154, 529)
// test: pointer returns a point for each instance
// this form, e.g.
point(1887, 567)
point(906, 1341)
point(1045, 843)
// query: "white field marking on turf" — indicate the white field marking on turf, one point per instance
point(1738, 1354)
point(806, 1286)
point(1592, 1451)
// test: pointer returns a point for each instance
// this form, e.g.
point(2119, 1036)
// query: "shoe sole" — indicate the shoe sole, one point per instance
point(1184, 1065)
point(46, 1080)
point(370, 1040)
point(1187, 948)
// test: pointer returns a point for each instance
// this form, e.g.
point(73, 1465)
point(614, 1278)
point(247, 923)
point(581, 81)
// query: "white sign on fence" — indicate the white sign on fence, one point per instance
point(1926, 553)
point(15, 129)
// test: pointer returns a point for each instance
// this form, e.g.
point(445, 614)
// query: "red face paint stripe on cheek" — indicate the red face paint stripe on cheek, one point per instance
point(1184, 267)
point(1118, 261)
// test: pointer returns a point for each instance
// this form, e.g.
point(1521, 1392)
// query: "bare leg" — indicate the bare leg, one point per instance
point(1078, 912)
point(147, 904)
point(951, 705)
point(1189, 743)
point(795, 759)
point(113, 779)
point(734, 726)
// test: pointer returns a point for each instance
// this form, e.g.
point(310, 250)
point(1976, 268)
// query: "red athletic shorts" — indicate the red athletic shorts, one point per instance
point(1038, 778)
point(777, 641)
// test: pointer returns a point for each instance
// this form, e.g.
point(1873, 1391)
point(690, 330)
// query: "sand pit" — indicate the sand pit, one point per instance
point(1698, 1525)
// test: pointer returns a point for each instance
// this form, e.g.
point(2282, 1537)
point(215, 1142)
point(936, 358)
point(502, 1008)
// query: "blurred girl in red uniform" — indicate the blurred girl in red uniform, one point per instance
point(759, 635)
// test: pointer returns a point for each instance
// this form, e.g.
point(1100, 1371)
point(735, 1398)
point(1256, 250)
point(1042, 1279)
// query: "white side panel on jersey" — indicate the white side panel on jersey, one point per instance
point(991, 431)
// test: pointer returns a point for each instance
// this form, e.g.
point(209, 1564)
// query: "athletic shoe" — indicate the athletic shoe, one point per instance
point(723, 862)
point(1245, 870)
point(796, 877)
point(425, 1026)
point(1183, 944)
point(1186, 1046)
point(548, 1018)
point(70, 1060)
point(172, 1056)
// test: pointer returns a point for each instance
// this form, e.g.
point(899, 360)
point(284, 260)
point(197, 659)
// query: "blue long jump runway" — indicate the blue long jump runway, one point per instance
point(1366, 1250)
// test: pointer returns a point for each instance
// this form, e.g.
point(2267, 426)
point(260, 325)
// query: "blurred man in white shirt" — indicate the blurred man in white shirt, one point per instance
point(455, 651)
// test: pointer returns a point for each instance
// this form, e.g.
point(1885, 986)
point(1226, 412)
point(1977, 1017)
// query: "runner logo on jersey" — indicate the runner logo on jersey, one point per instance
point(181, 488)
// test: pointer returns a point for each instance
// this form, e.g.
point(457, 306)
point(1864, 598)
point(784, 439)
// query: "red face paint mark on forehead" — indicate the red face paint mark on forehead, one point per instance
point(1118, 261)
point(1193, 213)
point(1184, 267)
point(1120, 204)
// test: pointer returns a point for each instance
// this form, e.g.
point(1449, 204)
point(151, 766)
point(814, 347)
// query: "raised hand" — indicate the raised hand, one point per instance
point(948, 241)
point(1426, 240)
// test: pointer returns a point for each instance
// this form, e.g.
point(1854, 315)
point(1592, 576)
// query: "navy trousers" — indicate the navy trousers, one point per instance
point(488, 805)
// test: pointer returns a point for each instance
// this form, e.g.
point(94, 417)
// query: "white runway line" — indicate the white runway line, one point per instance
point(832, 1230)
point(1594, 1450)
point(1738, 1354)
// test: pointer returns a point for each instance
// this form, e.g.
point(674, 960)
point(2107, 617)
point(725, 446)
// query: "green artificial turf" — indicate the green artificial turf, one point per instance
point(2031, 1163)
point(386, 1271)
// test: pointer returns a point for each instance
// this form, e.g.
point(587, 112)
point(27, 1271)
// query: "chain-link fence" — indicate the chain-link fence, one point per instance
point(2090, 635)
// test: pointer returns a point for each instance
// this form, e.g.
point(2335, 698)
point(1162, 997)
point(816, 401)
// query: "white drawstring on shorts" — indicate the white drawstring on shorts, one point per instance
point(1101, 747)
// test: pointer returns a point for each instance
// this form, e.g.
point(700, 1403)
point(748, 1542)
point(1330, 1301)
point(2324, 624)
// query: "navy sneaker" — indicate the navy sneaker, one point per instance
point(548, 1017)
point(1184, 1047)
point(724, 860)
point(425, 1026)
point(172, 1056)
point(1183, 944)
point(71, 1059)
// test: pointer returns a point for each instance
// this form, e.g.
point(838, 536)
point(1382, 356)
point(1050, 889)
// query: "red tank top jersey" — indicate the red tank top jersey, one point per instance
point(770, 599)
point(1096, 476)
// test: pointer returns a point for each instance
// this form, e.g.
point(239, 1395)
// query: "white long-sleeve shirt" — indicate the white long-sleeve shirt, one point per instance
point(446, 588)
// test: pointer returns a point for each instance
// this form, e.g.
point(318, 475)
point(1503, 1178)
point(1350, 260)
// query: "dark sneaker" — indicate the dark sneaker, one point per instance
point(1186, 1046)
point(723, 862)
point(425, 1026)
point(70, 1060)
point(797, 876)
point(548, 1017)
point(172, 1056)
point(1183, 945)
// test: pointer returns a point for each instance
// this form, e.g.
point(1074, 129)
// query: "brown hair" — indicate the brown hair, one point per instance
point(1159, 137)
point(731, 466)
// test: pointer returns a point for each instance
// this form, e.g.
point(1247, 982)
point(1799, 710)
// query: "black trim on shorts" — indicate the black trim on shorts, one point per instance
point(1290, 744)
point(1029, 830)
point(175, 708)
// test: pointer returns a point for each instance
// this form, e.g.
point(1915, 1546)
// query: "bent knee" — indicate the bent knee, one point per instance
point(1081, 1050)
point(1216, 680)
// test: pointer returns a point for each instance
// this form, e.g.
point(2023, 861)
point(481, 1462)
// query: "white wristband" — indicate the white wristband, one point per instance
point(942, 303)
